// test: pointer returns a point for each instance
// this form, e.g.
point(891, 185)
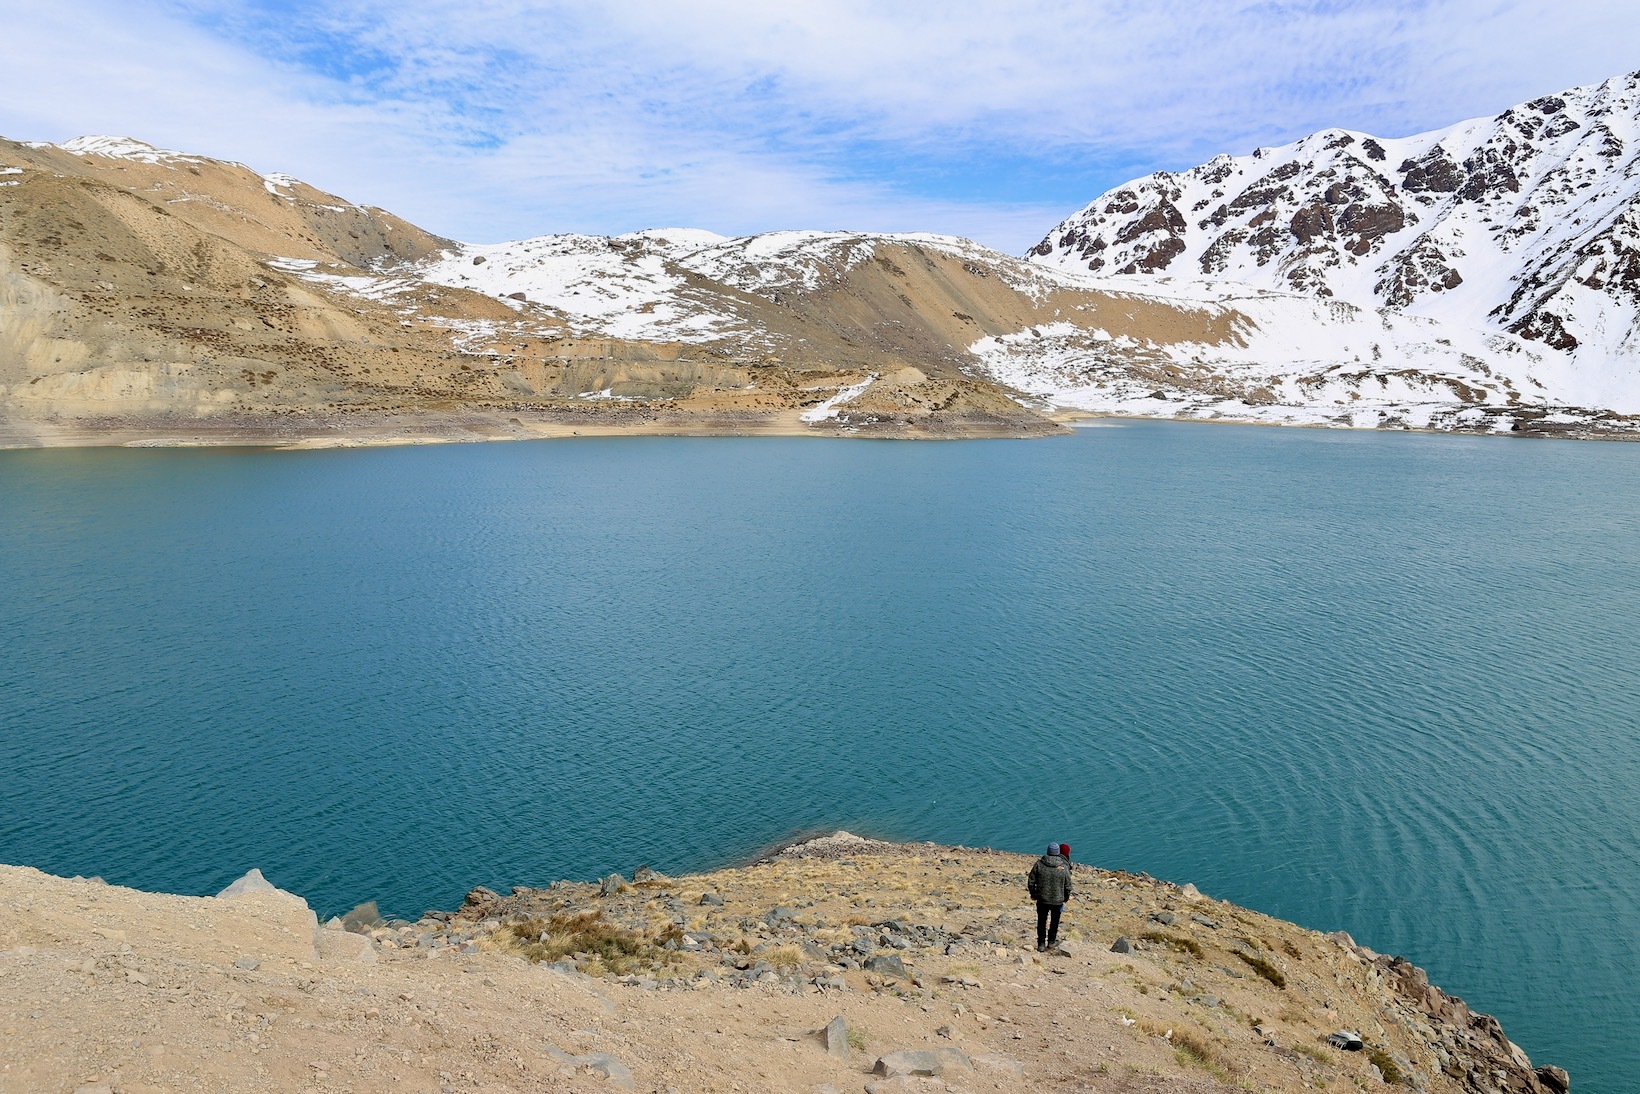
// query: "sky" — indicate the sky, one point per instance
point(486, 120)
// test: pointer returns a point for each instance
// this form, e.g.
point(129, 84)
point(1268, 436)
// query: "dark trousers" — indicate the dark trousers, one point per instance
point(1047, 922)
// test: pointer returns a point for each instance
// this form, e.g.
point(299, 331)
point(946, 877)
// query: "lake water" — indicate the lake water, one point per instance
point(1386, 683)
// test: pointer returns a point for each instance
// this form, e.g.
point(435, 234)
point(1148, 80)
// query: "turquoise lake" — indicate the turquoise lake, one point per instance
point(1386, 683)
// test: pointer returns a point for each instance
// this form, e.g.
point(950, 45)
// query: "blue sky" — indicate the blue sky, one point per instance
point(496, 119)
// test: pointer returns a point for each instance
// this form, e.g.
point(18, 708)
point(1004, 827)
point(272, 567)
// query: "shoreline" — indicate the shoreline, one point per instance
point(375, 430)
point(303, 433)
point(917, 957)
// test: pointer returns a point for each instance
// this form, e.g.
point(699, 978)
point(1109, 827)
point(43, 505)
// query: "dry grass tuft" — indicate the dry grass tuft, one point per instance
point(1264, 969)
point(612, 948)
point(1174, 942)
point(1196, 1050)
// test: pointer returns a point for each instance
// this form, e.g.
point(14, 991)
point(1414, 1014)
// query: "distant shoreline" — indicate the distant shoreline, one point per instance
point(378, 430)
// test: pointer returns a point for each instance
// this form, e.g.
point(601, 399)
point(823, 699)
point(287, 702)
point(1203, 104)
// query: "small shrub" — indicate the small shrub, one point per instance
point(857, 1039)
point(1386, 1066)
point(1264, 969)
point(1314, 1052)
point(609, 946)
point(1174, 942)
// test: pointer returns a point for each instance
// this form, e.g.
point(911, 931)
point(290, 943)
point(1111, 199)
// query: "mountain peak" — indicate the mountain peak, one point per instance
point(1523, 222)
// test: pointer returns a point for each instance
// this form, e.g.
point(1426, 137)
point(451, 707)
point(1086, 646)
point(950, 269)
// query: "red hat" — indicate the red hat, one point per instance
point(1065, 850)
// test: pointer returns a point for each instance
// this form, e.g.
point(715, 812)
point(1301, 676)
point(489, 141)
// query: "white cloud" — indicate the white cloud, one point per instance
point(496, 119)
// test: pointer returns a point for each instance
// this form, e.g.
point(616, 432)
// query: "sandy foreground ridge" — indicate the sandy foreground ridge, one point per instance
point(836, 965)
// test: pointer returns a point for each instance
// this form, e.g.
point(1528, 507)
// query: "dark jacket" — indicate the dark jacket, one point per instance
point(1050, 880)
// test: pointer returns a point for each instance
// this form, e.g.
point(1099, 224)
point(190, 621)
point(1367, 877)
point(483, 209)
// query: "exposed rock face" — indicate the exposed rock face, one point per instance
point(1524, 223)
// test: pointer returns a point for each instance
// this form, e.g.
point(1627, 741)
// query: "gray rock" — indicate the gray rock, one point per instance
point(644, 873)
point(364, 918)
point(249, 964)
point(712, 899)
point(1121, 945)
point(1554, 1079)
point(1067, 948)
point(1190, 892)
point(481, 895)
point(780, 915)
point(835, 1037)
point(611, 885)
point(1166, 919)
point(601, 1064)
point(935, 1062)
point(1205, 921)
point(887, 964)
point(252, 882)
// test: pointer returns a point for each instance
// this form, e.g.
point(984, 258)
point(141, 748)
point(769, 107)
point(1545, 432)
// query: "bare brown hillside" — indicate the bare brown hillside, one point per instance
point(189, 300)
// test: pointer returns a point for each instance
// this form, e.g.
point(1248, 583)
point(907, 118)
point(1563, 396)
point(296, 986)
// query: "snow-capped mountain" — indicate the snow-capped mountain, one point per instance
point(161, 290)
point(1526, 223)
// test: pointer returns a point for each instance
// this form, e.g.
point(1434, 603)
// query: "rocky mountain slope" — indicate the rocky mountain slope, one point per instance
point(149, 296)
point(154, 297)
point(840, 964)
point(1523, 229)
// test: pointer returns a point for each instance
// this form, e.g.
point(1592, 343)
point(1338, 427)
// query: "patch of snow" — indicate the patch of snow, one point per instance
point(125, 148)
point(829, 408)
point(276, 183)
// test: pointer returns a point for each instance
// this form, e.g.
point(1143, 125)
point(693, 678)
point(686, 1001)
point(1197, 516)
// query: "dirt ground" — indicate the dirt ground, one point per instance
point(109, 989)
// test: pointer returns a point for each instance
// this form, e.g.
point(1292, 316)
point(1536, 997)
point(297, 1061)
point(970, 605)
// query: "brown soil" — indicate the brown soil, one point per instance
point(103, 988)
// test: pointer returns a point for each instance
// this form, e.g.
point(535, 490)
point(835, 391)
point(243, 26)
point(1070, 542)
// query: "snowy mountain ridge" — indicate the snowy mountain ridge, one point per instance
point(1526, 224)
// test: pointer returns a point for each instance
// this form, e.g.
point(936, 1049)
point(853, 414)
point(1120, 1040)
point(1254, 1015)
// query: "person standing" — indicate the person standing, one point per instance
point(1050, 886)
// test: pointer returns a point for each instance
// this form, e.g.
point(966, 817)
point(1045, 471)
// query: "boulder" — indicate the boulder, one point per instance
point(887, 964)
point(1121, 945)
point(1554, 1079)
point(644, 874)
point(365, 917)
point(601, 1064)
point(611, 885)
point(711, 899)
point(252, 882)
point(481, 895)
point(835, 1038)
point(935, 1062)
